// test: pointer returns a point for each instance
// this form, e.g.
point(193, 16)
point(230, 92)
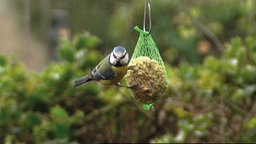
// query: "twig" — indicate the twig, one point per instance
point(209, 34)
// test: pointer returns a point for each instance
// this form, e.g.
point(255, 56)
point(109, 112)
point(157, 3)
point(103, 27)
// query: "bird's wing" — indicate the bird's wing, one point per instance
point(103, 70)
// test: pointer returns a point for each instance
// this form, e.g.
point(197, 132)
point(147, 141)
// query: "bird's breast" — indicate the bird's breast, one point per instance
point(119, 74)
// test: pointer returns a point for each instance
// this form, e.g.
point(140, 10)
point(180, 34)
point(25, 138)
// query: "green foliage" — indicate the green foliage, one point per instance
point(41, 107)
point(202, 99)
point(219, 92)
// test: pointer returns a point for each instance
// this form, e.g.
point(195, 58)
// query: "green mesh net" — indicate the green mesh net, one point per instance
point(146, 46)
point(147, 71)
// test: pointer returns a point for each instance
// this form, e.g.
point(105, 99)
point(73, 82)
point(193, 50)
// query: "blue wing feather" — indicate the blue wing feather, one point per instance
point(103, 71)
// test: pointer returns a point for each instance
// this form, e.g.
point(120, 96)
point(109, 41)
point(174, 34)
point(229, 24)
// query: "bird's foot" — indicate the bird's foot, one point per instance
point(133, 86)
point(130, 87)
point(131, 68)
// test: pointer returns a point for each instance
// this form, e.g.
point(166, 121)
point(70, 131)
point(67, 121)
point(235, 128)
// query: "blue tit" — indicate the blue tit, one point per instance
point(110, 70)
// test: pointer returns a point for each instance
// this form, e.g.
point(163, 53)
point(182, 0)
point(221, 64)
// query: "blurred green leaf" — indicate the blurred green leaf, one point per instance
point(58, 112)
point(3, 61)
point(251, 124)
point(86, 40)
point(61, 130)
point(67, 54)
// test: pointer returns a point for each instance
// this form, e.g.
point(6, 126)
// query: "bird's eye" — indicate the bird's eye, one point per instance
point(123, 56)
point(114, 56)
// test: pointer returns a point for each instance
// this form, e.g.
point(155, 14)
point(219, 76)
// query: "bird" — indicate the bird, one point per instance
point(110, 70)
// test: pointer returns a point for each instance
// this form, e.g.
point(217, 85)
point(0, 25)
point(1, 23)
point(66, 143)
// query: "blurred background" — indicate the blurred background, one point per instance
point(186, 30)
point(209, 51)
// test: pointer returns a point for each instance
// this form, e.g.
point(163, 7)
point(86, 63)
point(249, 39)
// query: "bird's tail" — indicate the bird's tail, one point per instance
point(81, 81)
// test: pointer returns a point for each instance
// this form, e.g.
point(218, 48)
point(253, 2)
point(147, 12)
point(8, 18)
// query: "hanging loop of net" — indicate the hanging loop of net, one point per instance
point(147, 6)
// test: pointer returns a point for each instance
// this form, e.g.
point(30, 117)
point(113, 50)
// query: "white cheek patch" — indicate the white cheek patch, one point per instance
point(124, 60)
point(112, 60)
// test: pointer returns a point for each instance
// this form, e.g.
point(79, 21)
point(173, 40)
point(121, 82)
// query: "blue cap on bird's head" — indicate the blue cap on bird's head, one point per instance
point(119, 50)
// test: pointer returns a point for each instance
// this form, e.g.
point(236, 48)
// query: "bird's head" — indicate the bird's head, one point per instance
point(119, 56)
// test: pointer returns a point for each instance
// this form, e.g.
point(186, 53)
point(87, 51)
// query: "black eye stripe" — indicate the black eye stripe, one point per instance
point(114, 56)
point(123, 55)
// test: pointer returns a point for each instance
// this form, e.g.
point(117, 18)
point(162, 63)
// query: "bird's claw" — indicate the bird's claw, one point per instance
point(133, 86)
point(131, 68)
point(130, 87)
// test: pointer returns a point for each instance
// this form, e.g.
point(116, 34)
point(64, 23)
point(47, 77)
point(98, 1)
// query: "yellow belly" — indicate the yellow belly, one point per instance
point(119, 74)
